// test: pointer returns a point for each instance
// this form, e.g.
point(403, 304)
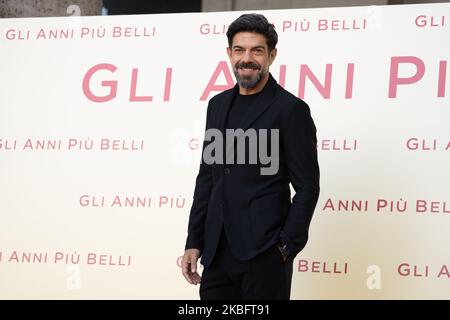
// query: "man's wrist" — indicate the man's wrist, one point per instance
point(284, 249)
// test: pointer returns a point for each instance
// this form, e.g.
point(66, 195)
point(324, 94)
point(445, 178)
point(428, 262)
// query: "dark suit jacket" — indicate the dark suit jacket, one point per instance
point(258, 213)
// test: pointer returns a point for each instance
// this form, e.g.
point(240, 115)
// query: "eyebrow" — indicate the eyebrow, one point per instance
point(255, 47)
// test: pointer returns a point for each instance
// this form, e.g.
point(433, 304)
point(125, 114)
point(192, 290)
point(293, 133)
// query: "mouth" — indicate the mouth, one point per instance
point(247, 70)
point(248, 67)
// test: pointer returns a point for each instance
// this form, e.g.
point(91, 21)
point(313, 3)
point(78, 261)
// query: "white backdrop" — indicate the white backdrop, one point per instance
point(101, 120)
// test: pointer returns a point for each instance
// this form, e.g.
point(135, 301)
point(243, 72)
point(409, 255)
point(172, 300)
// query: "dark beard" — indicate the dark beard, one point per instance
point(246, 82)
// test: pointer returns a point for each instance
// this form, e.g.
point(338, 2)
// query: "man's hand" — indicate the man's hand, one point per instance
point(189, 266)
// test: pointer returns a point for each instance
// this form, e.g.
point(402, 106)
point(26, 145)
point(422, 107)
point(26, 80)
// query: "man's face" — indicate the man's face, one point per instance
point(250, 58)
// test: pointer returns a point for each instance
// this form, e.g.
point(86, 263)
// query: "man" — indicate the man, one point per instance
point(242, 221)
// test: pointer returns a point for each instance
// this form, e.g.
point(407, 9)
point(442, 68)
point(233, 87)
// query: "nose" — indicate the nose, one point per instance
point(247, 56)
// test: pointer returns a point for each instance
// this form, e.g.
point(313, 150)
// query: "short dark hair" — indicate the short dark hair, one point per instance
point(253, 22)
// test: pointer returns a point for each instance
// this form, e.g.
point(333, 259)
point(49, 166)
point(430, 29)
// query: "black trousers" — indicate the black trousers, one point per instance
point(266, 276)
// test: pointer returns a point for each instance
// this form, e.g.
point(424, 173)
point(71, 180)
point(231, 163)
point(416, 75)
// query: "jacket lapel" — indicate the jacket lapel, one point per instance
point(225, 108)
point(264, 101)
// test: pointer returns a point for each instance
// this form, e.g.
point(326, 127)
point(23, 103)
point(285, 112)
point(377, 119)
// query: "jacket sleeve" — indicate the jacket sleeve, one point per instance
point(299, 142)
point(202, 192)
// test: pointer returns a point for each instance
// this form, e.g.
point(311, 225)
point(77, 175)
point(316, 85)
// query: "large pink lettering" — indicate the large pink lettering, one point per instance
point(222, 68)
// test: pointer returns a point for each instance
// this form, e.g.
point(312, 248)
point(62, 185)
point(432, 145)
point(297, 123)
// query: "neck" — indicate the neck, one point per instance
point(255, 89)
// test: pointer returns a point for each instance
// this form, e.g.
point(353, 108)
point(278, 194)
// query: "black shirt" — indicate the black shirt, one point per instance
point(241, 104)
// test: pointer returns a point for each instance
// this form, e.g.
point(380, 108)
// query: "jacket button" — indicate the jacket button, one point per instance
point(227, 171)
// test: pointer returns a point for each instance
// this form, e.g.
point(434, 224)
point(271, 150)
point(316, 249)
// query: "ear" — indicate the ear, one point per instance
point(272, 55)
